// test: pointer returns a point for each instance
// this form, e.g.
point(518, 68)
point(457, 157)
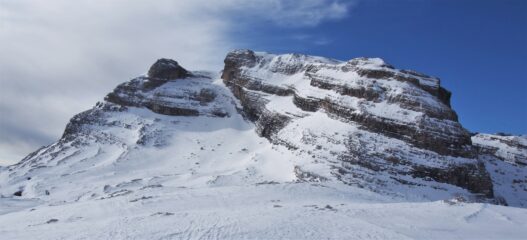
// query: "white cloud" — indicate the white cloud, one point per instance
point(58, 57)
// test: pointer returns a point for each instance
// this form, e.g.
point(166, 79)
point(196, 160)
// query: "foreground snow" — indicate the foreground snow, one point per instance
point(265, 211)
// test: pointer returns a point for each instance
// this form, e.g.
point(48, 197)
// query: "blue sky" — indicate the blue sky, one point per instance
point(477, 48)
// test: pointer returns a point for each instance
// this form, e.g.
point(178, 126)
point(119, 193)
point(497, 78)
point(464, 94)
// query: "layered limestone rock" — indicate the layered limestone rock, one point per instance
point(163, 92)
point(511, 149)
point(399, 103)
point(391, 121)
point(168, 89)
point(505, 158)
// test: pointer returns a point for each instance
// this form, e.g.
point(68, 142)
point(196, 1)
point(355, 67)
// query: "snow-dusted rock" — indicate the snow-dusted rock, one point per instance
point(505, 158)
point(390, 121)
point(167, 69)
point(399, 103)
point(509, 148)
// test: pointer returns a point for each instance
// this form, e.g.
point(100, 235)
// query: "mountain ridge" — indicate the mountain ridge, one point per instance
point(258, 79)
point(273, 122)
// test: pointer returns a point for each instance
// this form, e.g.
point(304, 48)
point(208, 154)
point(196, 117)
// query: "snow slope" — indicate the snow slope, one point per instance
point(140, 148)
point(267, 211)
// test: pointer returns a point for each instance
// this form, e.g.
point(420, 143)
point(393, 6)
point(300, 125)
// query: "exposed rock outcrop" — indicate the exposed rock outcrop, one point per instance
point(509, 148)
point(401, 104)
point(167, 69)
point(505, 158)
point(398, 121)
point(168, 89)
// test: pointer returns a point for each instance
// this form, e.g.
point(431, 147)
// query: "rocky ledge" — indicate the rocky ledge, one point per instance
point(402, 104)
point(168, 89)
point(509, 148)
point(395, 122)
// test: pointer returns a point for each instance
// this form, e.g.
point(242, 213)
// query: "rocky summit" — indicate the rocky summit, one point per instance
point(270, 140)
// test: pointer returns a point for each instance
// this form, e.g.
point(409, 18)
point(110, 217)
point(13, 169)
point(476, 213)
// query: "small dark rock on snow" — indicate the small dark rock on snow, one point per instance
point(167, 69)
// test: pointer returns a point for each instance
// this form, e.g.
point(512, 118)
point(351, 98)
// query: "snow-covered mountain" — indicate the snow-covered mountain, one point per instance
point(278, 146)
point(365, 123)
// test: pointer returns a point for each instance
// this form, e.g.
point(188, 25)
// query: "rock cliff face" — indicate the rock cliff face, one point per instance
point(511, 149)
point(505, 159)
point(274, 119)
point(399, 103)
point(392, 121)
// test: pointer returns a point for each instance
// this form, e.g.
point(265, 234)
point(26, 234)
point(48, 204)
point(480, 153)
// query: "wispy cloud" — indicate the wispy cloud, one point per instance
point(58, 57)
point(294, 13)
point(311, 39)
